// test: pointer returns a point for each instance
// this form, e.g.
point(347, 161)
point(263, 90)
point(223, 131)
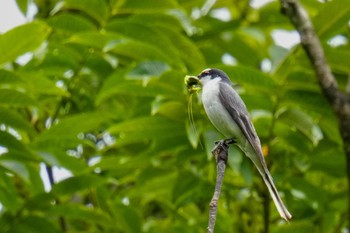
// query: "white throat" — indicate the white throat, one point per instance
point(209, 80)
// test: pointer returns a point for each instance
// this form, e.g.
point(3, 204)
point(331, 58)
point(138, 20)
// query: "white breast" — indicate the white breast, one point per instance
point(217, 114)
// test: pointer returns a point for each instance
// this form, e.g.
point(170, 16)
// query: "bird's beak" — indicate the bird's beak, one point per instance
point(192, 84)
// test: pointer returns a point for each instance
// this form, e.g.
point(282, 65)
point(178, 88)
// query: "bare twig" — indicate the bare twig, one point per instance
point(339, 101)
point(220, 152)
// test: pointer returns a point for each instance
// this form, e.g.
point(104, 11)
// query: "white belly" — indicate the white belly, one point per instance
point(218, 115)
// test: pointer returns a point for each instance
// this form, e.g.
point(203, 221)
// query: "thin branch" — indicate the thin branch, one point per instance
point(49, 170)
point(220, 152)
point(50, 174)
point(266, 205)
point(339, 101)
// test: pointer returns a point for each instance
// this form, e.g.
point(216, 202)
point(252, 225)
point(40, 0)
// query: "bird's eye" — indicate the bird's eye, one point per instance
point(204, 73)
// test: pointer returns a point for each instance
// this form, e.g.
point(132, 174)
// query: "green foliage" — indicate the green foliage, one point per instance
point(24, 39)
point(102, 96)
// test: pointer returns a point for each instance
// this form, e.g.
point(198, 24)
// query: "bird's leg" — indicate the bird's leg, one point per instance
point(230, 141)
point(224, 142)
point(222, 145)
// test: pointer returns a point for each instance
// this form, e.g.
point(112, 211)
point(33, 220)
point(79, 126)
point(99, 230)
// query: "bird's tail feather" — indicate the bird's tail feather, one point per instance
point(276, 197)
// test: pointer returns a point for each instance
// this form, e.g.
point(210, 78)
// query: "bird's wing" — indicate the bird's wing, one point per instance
point(238, 111)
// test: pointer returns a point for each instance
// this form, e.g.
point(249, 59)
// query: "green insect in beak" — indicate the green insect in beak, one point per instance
point(192, 84)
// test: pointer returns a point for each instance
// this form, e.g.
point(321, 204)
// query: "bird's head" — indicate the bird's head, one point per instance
point(194, 83)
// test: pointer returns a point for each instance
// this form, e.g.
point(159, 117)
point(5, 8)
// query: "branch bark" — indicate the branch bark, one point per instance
point(220, 152)
point(339, 101)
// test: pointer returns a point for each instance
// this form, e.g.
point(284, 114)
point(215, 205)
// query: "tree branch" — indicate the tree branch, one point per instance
point(339, 101)
point(313, 48)
point(220, 152)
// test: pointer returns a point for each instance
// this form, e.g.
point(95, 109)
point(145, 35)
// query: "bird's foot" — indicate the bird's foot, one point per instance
point(222, 145)
point(225, 142)
point(230, 141)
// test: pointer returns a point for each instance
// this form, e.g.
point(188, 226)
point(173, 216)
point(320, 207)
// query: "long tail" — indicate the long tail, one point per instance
point(255, 154)
point(275, 196)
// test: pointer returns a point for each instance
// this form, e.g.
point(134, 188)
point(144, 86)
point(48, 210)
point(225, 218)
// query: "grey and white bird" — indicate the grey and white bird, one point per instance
point(228, 113)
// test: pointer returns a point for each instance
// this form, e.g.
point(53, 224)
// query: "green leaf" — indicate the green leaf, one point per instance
point(333, 17)
point(174, 110)
point(310, 101)
point(245, 48)
point(71, 23)
point(330, 127)
point(301, 79)
point(159, 180)
point(127, 218)
point(139, 51)
point(303, 122)
point(60, 61)
point(23, 5)
point(33, 224)
point(8, 78)
point(146, 34)
point(311, 193)
point(188, 50)
point(22, 165)
point(10, 201)
point(292, 140)
point(37, 83)
point(187, 188)
point(77, 183)
point(329, 159)
point(97, 9)
point(140, 6)
point(298, 226)
point(53, 155)
point(284, 61)
point(159, 21)
point(75, 211)
point(13, 119)
point(13, 44)
point(210, 136)
point(65, 133)
point(146, 128)
point(268, 16)
point(258, 101)
point(147, 70)
point(338, 59)
point(16, 167)
point(96, 39)
point(10, 142)
point(193, 134)
point(122, 166)
point(15, 98)
point(40, 201)
point(117, 85)
point(250, 78)
point(262, 121)
point(144, 124)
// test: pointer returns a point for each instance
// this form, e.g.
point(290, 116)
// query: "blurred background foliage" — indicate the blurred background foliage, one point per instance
point(95, 89)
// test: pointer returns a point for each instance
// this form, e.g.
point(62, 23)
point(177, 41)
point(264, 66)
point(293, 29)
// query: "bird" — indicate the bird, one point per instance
point(229, 115)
